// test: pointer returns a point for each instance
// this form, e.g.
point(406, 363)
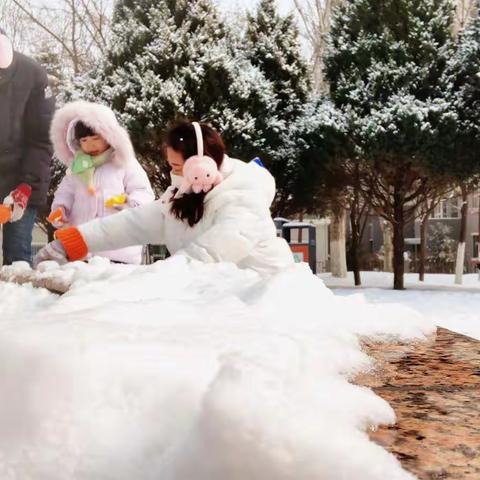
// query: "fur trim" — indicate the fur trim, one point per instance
point(99, 118)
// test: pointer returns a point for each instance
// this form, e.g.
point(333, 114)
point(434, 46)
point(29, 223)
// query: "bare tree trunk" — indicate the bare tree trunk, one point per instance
point(478, 238)
point(355, 219)
point(387, 247)
point(423, 248)
point(462, 238)
point(398, 243)
point(354, 223)
point(338, 259)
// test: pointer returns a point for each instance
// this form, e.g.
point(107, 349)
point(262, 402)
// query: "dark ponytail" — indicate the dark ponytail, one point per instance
point(181, 138)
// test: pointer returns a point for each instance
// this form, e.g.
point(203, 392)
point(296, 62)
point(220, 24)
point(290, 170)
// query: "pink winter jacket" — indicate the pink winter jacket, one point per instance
point(122, 174)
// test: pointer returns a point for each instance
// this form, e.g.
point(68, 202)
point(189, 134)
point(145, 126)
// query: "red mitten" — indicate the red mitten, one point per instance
point(18, 200)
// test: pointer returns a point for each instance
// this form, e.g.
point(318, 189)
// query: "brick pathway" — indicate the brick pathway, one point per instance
point(434, 388)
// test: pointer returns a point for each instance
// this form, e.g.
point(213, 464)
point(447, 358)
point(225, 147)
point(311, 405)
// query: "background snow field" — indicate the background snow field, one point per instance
point(177, 371)
point(438, 299)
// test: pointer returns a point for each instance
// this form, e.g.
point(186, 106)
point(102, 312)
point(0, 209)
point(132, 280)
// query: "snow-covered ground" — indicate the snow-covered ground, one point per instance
point(385, 280)
point(456, 307)
point(189, 371)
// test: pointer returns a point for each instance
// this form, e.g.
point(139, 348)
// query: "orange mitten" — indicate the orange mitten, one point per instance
point(57, 217)
point(5, 214)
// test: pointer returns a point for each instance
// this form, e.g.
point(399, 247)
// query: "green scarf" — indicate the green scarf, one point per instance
point(84, 166)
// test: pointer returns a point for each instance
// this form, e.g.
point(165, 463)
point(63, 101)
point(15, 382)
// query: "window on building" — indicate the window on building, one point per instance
point(454, 207)
point(475, 246)
point(476, 200)
point(437, 213)
point(444, 205)
point(448, 208)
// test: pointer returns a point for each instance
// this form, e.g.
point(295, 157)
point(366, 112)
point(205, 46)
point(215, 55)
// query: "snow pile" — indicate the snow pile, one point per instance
point(177, 371)
point(47, 276)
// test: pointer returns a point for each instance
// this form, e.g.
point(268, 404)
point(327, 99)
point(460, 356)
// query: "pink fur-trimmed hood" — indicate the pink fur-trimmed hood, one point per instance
point(100, 119)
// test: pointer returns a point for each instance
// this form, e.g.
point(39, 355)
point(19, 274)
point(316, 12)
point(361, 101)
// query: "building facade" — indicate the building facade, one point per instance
point(443, 231)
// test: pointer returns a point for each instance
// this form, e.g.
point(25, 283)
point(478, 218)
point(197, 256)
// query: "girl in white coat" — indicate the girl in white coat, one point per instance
point(229, 223)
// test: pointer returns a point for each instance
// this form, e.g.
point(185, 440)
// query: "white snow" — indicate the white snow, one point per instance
point(439, 299)
point(433, 281)
point(189, 371)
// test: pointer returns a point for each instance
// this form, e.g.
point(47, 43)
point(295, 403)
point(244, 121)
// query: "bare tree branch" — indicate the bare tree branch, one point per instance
point(67, 35)
point(465, 11)
point(316, 17)
point(89, 20)
point(34, 19)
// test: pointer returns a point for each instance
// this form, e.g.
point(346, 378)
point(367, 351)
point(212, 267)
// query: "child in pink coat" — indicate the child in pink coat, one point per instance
point(103, 174)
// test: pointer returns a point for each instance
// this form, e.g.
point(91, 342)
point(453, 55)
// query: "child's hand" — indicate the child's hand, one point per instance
point(58, 218)
point(52, 251)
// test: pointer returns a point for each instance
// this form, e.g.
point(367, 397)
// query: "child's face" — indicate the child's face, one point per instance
point(94, 145)
point(175, 160)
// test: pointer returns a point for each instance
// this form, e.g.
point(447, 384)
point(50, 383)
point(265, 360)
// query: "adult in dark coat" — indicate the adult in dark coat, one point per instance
point(25, 150)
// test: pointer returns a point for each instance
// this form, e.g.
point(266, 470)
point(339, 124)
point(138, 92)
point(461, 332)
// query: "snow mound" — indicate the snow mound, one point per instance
point(183, 370)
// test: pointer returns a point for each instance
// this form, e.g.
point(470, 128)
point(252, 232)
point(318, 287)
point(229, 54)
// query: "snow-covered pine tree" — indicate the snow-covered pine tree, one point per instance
point(462, 82)
point(272, 45)
point(317, 181)
point(310, 155)
point(462, 90)
point(53, 63)
point(385, 63)
point(170, 59)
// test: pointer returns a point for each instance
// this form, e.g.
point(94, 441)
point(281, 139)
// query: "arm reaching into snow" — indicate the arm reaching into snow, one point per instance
point(138, 226)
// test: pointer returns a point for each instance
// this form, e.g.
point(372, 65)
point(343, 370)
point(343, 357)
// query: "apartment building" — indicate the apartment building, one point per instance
point(443, 224)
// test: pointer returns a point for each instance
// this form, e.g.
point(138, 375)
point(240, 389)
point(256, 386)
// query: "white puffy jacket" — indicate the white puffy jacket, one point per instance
point(236, 226)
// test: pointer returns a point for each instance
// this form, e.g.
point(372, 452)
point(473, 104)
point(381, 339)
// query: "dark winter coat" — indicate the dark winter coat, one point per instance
point(25, 116)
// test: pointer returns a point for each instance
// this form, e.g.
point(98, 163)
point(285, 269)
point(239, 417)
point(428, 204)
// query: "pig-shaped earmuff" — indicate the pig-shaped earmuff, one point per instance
point(200, 172)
